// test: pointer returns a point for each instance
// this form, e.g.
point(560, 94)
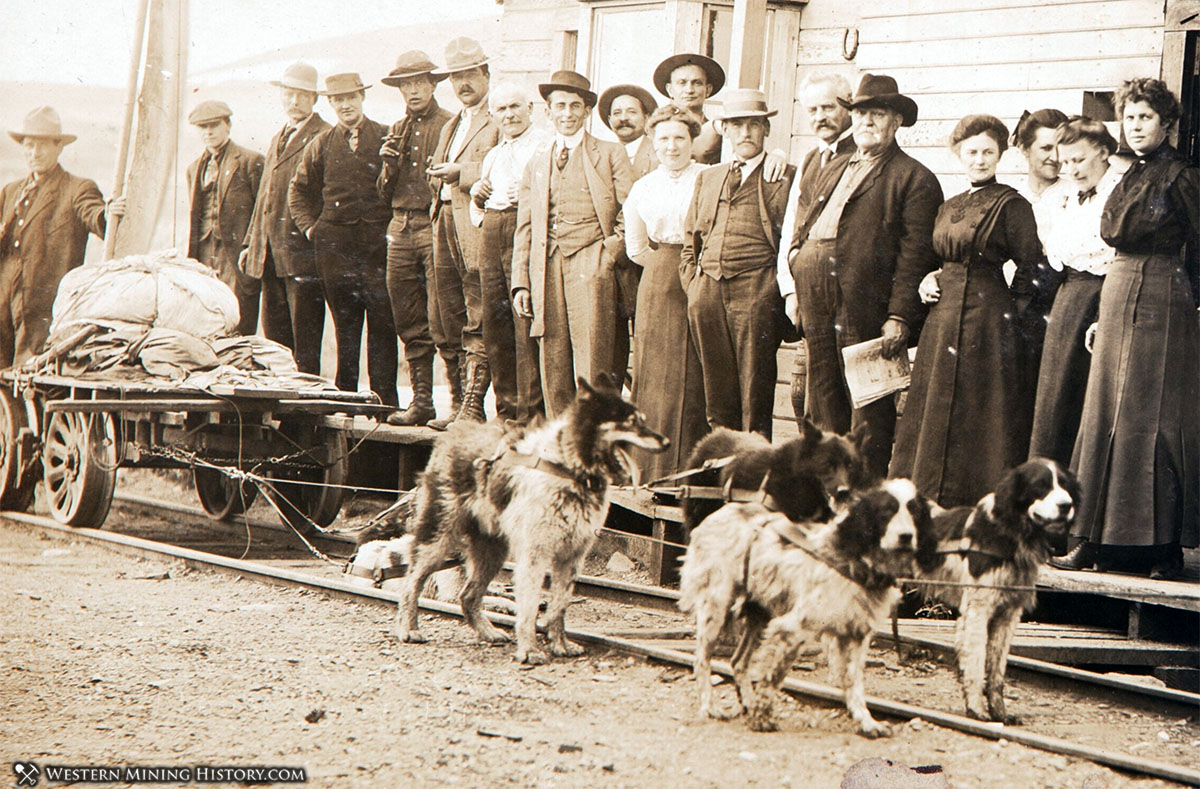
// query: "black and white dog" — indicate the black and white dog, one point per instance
point(540, 496)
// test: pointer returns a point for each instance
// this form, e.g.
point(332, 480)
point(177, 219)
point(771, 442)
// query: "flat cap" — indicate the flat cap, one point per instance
point(207, 111)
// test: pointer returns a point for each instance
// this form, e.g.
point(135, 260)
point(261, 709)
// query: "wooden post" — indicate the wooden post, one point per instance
point(747, 44)
point(135, 64)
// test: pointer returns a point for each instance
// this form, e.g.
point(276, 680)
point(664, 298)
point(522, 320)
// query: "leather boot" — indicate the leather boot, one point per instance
point(420, 408)
point(1168, 562)
point(454, 372)
point(479, 377)
point(1082, 557)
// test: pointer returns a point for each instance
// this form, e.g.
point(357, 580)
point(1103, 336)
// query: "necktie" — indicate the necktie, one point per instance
point(735, 178)
point(354, 139)
point(284, 136)
point(563, 155)
point(826, 155)
point(1086, 195)
point(211, 169)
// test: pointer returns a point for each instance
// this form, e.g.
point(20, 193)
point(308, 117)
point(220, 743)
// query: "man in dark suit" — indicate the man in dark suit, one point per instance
point(727, 267)
point(567, 243)
point(863, 242)
point(277, 253)
point(45, 219)
point(457, 312)
point(334, 201)
point(407, 149)
point(624, 109)
point(223, 183)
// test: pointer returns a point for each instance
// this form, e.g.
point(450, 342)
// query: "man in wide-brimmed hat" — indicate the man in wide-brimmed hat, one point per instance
point(689, 79)
point(223, 183)
point(276, 252)
point(407, 151)
point(456, 310)
point(727, 265)
point(45, 219)
point(567, 244)
point(335, 203)
point(863, 242)
point(624, 108)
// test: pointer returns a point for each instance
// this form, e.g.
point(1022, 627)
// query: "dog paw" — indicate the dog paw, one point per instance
point(978, 714)
point(725, 715)
point(411, 636)
point(532, 657)
point(874, 730)
point(566, 649)
point(494, 636)
point(761, 723)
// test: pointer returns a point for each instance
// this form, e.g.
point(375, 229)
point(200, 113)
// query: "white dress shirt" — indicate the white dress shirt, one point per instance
point(1072, 237)
point(657, 206)
point(503, 167)
point(460, 137)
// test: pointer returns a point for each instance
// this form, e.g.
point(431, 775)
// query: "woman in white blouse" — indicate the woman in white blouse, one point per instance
point(667, 381)
point(1073, 245)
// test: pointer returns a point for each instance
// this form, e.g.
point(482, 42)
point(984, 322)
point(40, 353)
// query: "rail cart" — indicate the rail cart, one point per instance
point(72, 434)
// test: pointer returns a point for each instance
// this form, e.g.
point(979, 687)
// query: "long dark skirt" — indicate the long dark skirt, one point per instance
point(1062, 379)
point(1138, 451)
point(968, 411)
point(668, 384)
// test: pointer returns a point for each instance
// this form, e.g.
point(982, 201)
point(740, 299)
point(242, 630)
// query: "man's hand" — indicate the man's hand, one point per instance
point(241, 264)
point(116, 208)
point(387, 150)
point(1089, 337)
point(523, 303)
point(449, 172)
point(482, 191)
point(791, 306)
point(930, 289)
point(773, 165)
point(895, 338)
point(308, 233)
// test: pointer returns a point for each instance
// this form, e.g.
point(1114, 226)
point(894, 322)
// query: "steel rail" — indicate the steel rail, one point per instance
point(286, 577)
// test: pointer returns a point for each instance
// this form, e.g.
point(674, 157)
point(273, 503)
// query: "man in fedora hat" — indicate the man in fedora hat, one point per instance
point(567, 244)
point(45, 219)
point(223, 183)
point(334, 201)
point(457, 310)
point(407, 151)
point(276, 251)
point(624, 108)
point(863, 242)
point(727, 267)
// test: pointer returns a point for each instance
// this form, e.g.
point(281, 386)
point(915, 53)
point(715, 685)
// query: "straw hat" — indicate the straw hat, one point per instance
point(745, 103)
point(300, 76)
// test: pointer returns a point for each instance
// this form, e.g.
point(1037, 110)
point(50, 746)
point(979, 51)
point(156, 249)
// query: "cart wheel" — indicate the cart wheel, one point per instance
point(79, 467)
point(220, 496)
point(303, 505)
point(16, 488)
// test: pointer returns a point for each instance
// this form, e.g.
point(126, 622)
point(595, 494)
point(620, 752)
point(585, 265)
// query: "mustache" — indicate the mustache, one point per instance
point(623, 125)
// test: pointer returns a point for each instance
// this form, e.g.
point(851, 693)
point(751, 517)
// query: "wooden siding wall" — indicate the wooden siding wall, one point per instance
point(531, 32)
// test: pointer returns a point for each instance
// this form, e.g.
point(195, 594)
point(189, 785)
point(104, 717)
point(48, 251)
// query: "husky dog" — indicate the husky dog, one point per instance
point(540, 495)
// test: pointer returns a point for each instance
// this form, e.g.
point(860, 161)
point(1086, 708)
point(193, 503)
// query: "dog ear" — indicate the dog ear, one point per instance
point(859, 436)
point(583, 388)
point(810, 432)
point(927, 538)
point(1008, 496)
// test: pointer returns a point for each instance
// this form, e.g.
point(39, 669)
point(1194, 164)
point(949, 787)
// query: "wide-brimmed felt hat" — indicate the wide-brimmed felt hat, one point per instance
point(880, 90)
point(745, 103)
point(341, 84)
point(209, 111)
point(662, 72)
point(461, 54)
point(300, 76)
point(413, 63)
point(571, 81)
point(42, 122)
point(604, 105)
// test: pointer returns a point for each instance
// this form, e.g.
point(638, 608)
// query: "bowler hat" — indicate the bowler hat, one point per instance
point(209, 111)
point(300, 76)
point(570, 81)
point(604, 106)
point(712, 69)
point(42, 122)
point(880, 90)
point(461, 54)
point(341, 84)
point(745, 103)
point(413, 63)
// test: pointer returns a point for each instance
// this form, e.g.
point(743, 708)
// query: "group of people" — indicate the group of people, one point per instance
point(1056, 320)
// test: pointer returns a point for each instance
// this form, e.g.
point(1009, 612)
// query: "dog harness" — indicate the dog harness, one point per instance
point(796, 536)
point(510, 456)
point(963, 546)
point(377, 574)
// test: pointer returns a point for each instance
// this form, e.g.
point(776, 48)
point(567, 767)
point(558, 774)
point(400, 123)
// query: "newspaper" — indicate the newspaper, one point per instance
point(870, 376)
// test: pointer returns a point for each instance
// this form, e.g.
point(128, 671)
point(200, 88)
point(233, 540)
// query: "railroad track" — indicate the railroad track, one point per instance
point(273, 555)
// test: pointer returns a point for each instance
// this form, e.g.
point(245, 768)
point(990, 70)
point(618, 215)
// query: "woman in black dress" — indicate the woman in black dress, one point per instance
point(1138, 451)
point(969, 407)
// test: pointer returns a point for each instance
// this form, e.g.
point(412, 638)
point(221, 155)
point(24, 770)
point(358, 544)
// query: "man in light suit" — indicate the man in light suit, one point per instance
point(727, 268)
point(223, 183)
point(624, 109)
point(456, 309)
point(276, 252)
point(567, 242)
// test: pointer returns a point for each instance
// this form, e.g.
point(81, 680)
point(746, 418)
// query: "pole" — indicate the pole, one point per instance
point(135, 65)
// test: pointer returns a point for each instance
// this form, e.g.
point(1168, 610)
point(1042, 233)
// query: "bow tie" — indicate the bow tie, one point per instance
point(1086, 195)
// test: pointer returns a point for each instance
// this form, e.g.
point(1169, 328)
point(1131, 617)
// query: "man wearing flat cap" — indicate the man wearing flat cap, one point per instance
point(223, 184)
point(457, 311)
point(45, 219)
point(407, 150)
point(334, 201)
point(277, 253)
point(863, 242)
point(567, 243)
point(624, 109)
point(727, 268)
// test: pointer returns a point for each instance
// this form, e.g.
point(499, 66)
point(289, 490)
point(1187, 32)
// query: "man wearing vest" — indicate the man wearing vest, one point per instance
point(334, 201)
point(276, 252)
point(457, 311)
point(223, 183)
point(567, 243)
point(403, 184)
point(727, 267)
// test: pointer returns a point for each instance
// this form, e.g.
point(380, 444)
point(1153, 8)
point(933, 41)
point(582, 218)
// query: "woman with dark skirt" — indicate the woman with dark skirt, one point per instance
point(668, 383)
point(969, 407)
point(1073, 245)
point(1138, 452)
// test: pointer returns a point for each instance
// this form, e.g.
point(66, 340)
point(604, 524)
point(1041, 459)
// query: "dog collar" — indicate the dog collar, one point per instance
point(796, 536)
point(590, 481)
point(963, 546)
point(378, 574)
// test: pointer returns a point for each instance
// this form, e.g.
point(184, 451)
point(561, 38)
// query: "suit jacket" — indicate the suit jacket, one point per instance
point(271, 224)
point(607, 179)
point(50, 241)
point(645, 160)
point(884, 238)
point(237, 188)
point(702, 213)
point(482, 136)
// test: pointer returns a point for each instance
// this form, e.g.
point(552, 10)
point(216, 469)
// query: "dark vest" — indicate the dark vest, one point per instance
point(349, 193)
point(573, 221)
point(738, 242)
point(419, 138)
